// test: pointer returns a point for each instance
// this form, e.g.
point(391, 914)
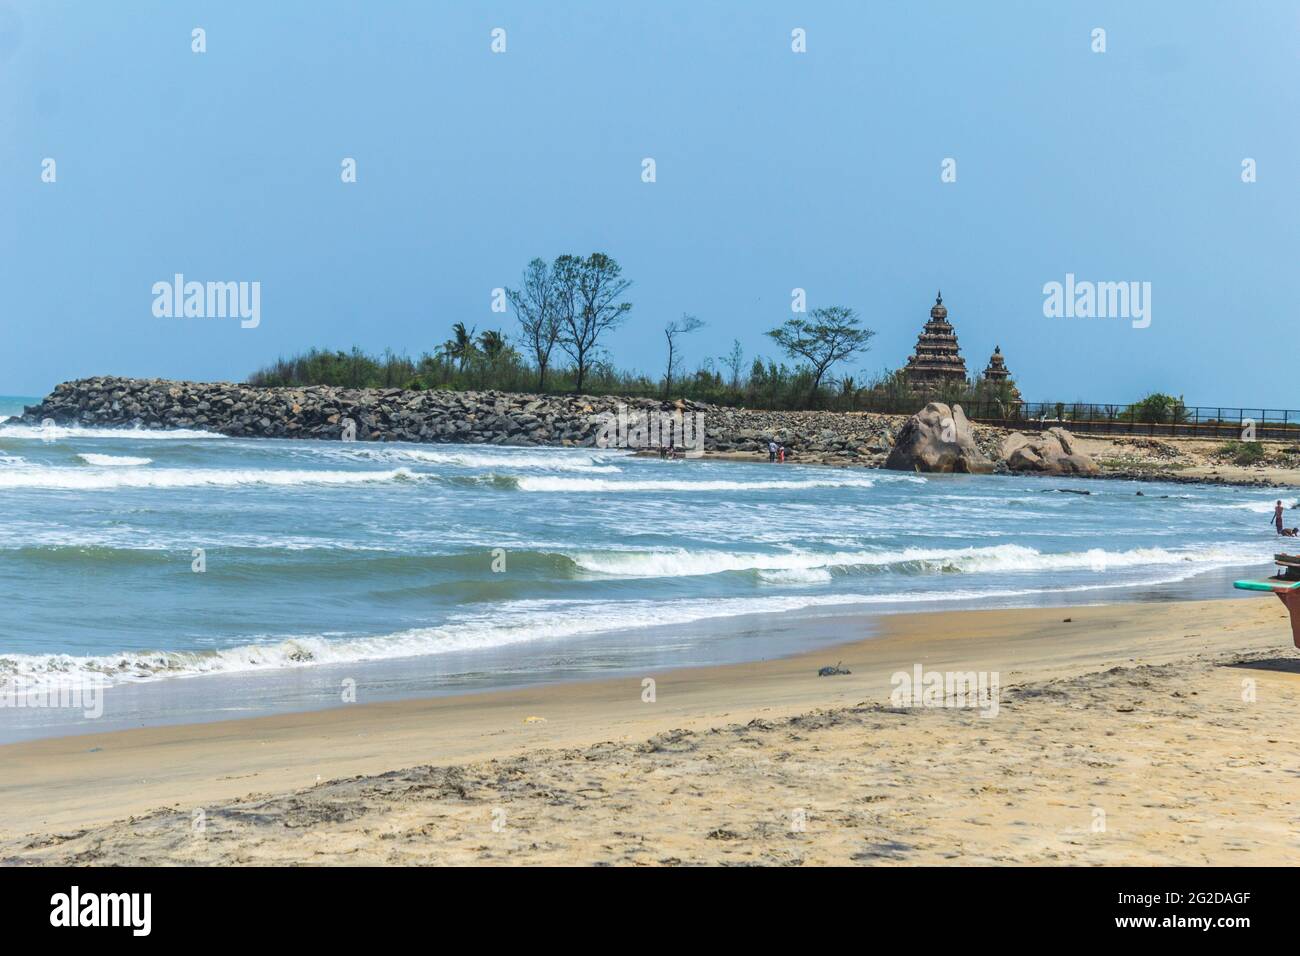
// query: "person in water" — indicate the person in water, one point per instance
point(1277, 518)
point(771, 451)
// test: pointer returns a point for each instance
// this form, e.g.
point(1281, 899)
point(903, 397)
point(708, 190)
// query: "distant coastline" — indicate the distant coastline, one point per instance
point(845, 439)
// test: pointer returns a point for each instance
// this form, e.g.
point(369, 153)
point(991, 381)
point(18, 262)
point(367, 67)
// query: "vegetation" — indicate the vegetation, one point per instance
point(565, 308)
point(1157, 408)
point(672, 332)
point(828, 336)
point(1243, 452)
point(587, 306)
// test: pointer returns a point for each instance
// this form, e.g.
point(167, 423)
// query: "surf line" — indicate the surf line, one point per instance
point(647, 428)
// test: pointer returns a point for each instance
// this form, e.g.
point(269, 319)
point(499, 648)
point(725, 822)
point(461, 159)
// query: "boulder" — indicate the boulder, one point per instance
point(1054, 452)
point(938, 439)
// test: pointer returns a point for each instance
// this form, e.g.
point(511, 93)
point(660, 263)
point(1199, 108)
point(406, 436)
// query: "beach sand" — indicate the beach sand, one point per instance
point(1158, 733)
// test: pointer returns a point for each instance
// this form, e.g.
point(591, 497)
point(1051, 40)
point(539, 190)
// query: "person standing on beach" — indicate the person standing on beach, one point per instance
point(771, 451)
point(1277, 517)
point(780, 454)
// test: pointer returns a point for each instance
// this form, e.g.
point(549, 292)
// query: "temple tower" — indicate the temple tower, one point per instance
point(997, 374)
point(997, 368)
point(937, 360)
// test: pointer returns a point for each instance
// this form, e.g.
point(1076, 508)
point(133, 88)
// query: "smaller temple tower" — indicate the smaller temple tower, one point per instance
point(997, 369)
point(997, 372)
point(938, 359)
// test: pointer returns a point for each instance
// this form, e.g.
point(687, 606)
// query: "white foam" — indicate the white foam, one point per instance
point(512, 623)
point(113, 461)
point(1258, 507)
point(475, 458)
point(998, 558)
point(796, 576)
point(17, 533)
point(544, 483)
point(73, 479)
point(58, 432)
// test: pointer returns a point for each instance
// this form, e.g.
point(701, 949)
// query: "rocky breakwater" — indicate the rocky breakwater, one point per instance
point(489, 417)
point(328, 412)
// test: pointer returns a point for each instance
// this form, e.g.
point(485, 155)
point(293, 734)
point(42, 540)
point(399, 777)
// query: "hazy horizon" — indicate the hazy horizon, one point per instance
point(775, 170)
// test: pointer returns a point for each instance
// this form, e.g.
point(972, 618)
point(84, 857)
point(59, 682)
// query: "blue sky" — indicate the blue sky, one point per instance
point(775, 170)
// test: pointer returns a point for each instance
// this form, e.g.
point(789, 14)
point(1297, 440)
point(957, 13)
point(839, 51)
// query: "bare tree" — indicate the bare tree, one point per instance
point(589, 306)
point(827, 336)
point(735, 361)
point(536, 305)
point(678, 327)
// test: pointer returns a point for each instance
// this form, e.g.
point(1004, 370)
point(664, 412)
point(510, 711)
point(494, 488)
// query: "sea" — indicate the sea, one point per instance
point(193, 577)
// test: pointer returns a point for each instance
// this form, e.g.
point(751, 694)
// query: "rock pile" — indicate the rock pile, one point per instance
point(489, 417)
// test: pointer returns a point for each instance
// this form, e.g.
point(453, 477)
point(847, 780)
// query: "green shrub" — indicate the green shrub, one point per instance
point(1243, 452)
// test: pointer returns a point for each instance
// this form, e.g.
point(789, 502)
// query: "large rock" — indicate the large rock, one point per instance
point(938, 439)
point(1054, 452)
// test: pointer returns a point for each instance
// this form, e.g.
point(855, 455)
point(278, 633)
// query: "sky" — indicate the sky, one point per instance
point(774, 170)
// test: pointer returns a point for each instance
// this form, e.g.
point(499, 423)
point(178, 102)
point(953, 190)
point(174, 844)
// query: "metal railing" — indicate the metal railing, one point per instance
point(1179, 421)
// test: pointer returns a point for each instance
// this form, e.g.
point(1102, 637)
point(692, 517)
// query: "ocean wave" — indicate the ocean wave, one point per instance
point(998, 558)
point(476, 458)
point(512, 623)
point(546, 483)
point(72, 479)
point(57, 432)
point(796, 576)
point(113, 461)
point(30, 540)
point(1258, 507)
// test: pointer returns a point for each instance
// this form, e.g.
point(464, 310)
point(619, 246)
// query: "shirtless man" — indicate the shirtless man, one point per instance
point(1277, 518)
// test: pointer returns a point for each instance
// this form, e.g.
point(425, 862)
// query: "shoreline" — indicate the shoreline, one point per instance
point(1169, 477)
point(755, 636)
point(55, 787)
point(722, 433)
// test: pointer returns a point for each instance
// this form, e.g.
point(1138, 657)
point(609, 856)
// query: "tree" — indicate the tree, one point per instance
point(678, 327)
point(1157, 408)
point(536, 305)
point(827, 336)
point(461, 344)
point(493, 344)
point(589, 291)
point(734, 361)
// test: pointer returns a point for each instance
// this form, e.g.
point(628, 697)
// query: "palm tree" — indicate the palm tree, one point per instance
point(461, 345)
point(493, 344)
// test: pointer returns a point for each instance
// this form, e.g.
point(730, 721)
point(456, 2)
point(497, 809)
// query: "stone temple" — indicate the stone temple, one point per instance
point(937, 360)
point(997, 370)
point(997, 373)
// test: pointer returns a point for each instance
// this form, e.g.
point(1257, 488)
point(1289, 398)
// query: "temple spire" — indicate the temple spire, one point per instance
point(997, 372)
point(937, 359)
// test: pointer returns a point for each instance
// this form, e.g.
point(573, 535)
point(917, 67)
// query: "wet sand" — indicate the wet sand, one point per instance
point(1131, 733)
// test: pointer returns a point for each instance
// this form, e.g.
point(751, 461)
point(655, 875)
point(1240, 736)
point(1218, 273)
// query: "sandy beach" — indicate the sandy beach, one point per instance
point(1157, 733)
